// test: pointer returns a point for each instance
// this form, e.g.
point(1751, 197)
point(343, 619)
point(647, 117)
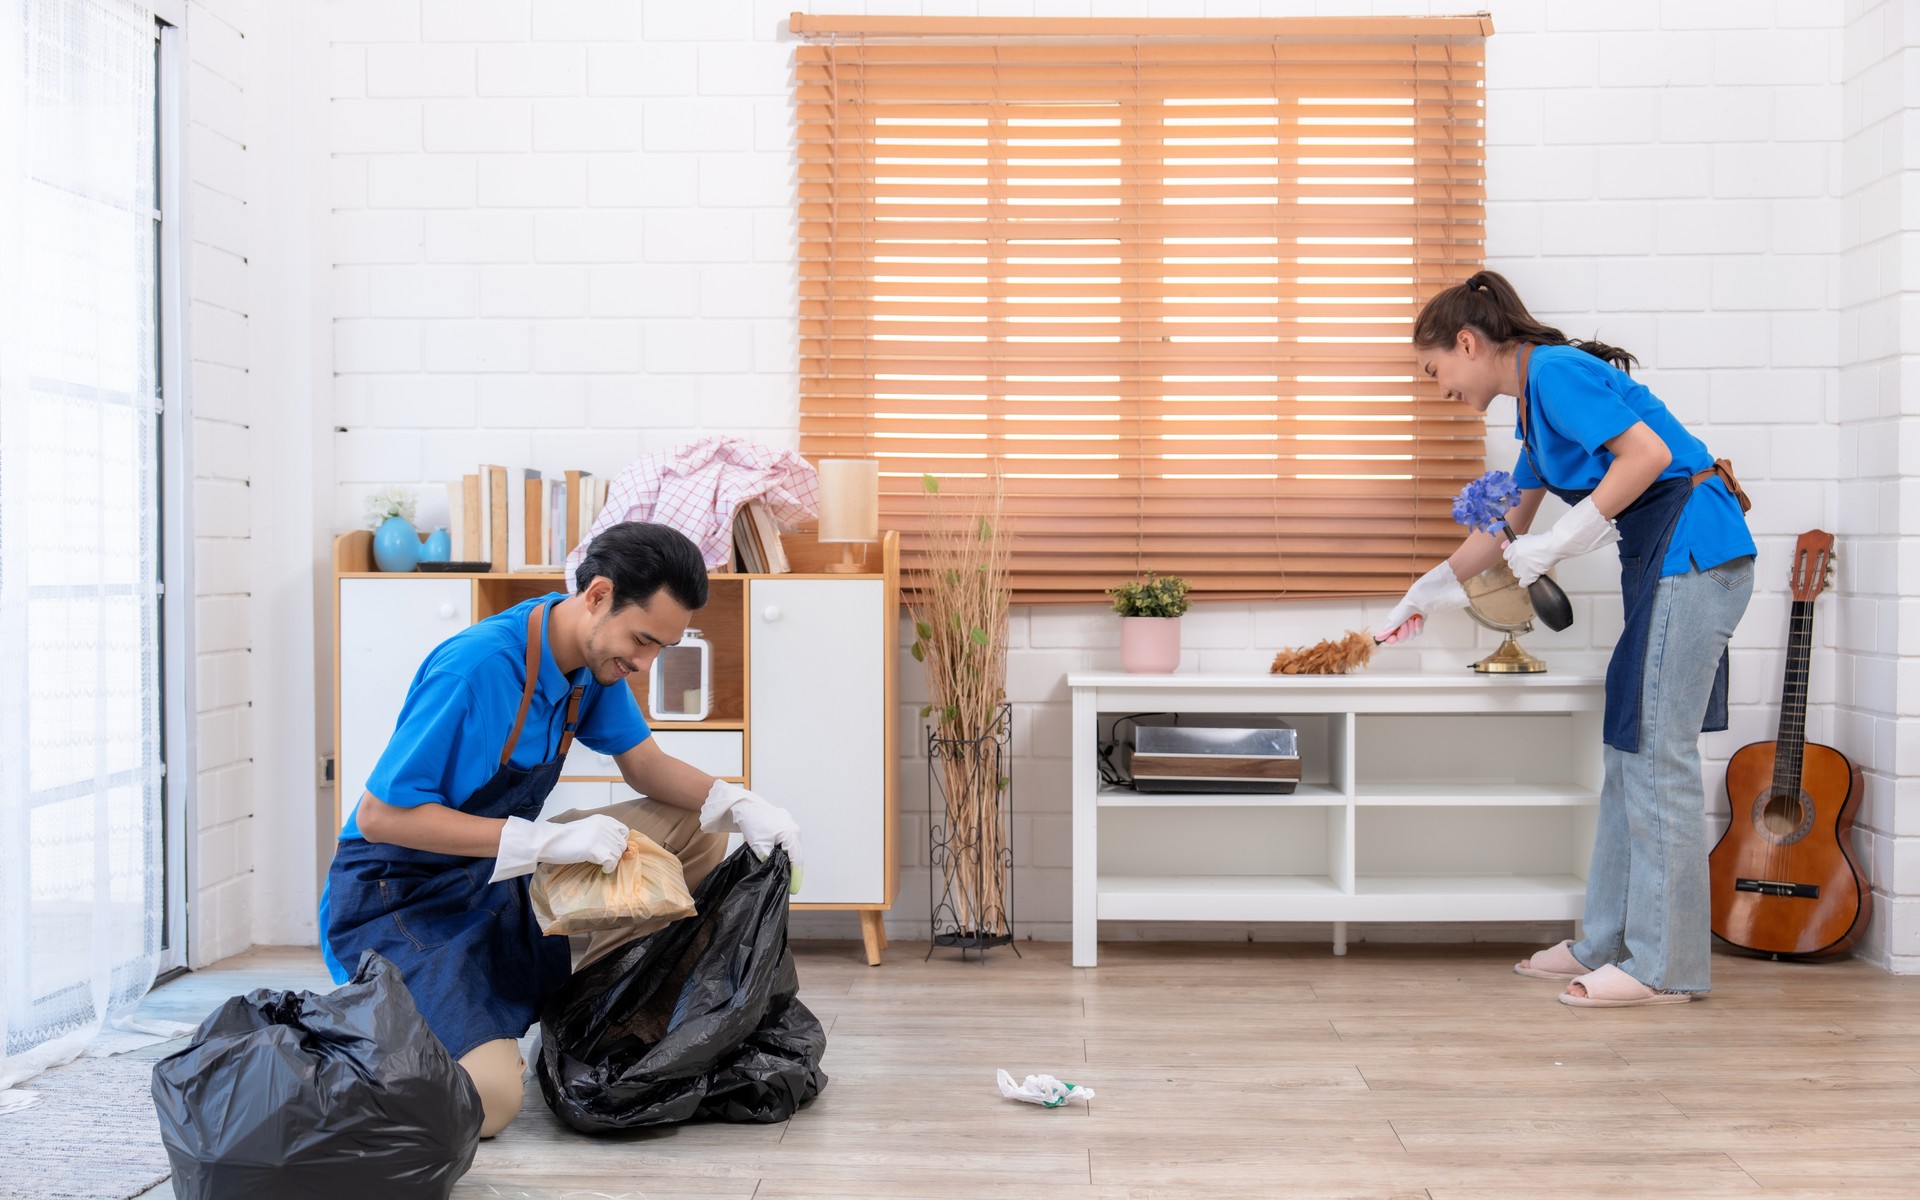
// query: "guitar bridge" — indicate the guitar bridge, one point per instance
point(1775, 887)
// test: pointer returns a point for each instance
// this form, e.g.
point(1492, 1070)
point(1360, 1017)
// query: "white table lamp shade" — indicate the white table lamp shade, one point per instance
point(849, 500)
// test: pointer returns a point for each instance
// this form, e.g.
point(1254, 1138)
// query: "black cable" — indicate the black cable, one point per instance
point(1110, 773)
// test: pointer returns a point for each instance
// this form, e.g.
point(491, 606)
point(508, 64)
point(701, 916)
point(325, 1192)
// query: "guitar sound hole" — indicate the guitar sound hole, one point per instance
point(1781, 818)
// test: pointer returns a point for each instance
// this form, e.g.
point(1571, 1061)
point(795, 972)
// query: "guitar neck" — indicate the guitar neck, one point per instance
point(1789, 746)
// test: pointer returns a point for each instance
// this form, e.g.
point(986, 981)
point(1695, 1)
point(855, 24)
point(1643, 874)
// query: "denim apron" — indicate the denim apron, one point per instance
point(1646, 528)
point(470, 952)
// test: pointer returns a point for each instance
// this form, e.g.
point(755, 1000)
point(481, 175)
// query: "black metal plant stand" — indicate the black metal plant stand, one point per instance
point(972, 905)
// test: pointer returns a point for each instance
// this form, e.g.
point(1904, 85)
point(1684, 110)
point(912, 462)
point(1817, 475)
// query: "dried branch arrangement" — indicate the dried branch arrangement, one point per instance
point(960, 603)
point(1350, 653)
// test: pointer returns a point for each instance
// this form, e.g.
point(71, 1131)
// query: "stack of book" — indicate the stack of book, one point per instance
point(756, 541)
point(518, 520)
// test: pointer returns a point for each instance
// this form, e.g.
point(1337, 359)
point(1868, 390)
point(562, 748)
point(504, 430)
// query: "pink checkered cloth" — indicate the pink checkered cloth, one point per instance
point(696, 488)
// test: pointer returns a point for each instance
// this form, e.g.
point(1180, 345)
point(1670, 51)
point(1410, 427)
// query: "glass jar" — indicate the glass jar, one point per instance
point(680, 685)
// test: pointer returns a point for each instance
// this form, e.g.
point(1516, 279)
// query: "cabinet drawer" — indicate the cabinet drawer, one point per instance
point(719, 752)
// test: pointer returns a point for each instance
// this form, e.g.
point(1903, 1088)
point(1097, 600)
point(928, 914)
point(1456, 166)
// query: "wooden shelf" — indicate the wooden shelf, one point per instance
point(1549, 897)
point(1476, 795)
point(1306, 795)
point(1218, 897)
point(1320, 898)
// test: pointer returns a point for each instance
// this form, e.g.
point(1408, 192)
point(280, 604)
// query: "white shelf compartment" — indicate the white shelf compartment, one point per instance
point(1226, 840)
point(1470, 861)
point(1501, 750)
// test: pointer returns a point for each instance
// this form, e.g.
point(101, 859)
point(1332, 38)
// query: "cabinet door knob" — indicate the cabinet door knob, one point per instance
point(772, 612)
point(446, 612)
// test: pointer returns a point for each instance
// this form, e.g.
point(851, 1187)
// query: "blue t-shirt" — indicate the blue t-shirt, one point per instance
point(1576, 404)
point(461, 705)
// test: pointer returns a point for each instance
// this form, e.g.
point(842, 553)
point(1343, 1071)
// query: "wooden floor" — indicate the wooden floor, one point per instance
point(1265, 1070)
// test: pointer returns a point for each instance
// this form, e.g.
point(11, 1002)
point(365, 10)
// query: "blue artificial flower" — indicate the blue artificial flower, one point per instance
point(1483, 504)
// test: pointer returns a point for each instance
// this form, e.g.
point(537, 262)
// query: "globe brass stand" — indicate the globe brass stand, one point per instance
point(1498, 602)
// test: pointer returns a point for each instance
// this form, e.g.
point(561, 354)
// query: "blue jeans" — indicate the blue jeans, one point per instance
point(1647, 907)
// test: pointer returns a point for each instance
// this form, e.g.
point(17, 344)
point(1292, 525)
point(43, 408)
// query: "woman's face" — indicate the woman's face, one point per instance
point(1466, 371)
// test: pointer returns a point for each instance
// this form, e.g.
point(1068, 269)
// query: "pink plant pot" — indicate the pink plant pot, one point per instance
point(1149, 645)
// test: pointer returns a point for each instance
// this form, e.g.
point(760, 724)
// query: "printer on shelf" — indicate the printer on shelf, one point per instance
point(1165, 752)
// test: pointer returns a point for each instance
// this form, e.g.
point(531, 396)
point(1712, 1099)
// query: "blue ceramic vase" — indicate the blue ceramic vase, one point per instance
point(438, 547)
point(396, 545)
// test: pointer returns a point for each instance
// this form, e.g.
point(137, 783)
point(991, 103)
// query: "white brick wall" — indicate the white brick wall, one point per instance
point(1875, 445)
point(220, 301)
point(550, 219)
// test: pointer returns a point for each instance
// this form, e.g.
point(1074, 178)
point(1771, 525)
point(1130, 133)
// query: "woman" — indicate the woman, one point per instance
point(1632, 473)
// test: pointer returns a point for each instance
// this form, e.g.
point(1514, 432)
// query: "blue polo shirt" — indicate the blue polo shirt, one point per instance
point(460, 708)
point(1576, 404)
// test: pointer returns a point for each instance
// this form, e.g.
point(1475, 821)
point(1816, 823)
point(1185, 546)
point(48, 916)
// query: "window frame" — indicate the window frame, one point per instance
point(179, 777)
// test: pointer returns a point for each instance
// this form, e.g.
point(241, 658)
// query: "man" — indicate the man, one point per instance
point(431, 868)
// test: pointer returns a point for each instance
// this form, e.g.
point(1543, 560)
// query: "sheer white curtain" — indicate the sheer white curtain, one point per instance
point(80, 688)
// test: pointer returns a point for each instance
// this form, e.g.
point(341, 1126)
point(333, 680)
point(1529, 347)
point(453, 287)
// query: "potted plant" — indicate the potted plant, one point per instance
point(1150, 611)
point(960, 607)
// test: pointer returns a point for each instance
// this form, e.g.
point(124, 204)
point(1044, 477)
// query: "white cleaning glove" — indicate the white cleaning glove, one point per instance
point(1532, 555)
point(730, 807)
point(525, 844)
point(1437, 591)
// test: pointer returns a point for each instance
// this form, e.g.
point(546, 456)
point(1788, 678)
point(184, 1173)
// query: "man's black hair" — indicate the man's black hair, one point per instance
point(640, 558)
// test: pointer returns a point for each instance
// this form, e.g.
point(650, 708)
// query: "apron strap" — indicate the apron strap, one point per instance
point(573, 719)
point(1524, 356)
point(536, 634)
point(1724, 469)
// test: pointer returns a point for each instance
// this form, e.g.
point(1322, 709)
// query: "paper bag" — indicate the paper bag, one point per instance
point(647, 886)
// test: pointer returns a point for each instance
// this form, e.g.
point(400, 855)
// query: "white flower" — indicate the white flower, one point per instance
point(391, 501)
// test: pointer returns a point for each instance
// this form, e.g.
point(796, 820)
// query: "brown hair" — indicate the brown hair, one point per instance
point(1486, 302)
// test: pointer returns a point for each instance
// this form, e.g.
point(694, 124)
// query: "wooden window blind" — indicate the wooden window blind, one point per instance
point(1160, 274)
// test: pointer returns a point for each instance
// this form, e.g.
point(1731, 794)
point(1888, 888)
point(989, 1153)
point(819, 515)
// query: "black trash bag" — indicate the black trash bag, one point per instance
point(296, 1095)
point(696, 1021)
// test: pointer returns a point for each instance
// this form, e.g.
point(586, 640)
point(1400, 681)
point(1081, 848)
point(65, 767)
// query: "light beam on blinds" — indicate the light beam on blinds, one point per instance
point(1161, 278)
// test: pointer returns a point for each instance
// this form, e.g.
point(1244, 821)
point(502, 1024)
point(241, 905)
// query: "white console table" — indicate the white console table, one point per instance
point(1423, 797)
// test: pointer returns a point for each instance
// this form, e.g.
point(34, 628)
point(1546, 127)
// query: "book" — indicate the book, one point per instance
point(768, 533)
point(456, 519)
point(593, 497)
point(746, 543)
point(473, 520)
point(540, 524)
point(524, 496)
point(498, 536)
point(558, 546)
point(573, 504)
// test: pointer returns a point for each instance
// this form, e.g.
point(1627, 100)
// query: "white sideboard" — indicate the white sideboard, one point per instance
point(1424, 797)
point(802, 706)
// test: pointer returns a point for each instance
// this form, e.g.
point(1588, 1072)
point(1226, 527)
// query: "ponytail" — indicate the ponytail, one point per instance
point(1487, 302)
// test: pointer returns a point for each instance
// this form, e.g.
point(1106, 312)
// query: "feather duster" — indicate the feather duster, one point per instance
point(1350, 653)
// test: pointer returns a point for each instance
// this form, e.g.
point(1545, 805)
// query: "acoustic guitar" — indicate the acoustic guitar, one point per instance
point(1782, 878)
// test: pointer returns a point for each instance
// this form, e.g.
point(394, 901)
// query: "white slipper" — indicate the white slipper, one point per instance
point(1610, 987)
point(1555, 962)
